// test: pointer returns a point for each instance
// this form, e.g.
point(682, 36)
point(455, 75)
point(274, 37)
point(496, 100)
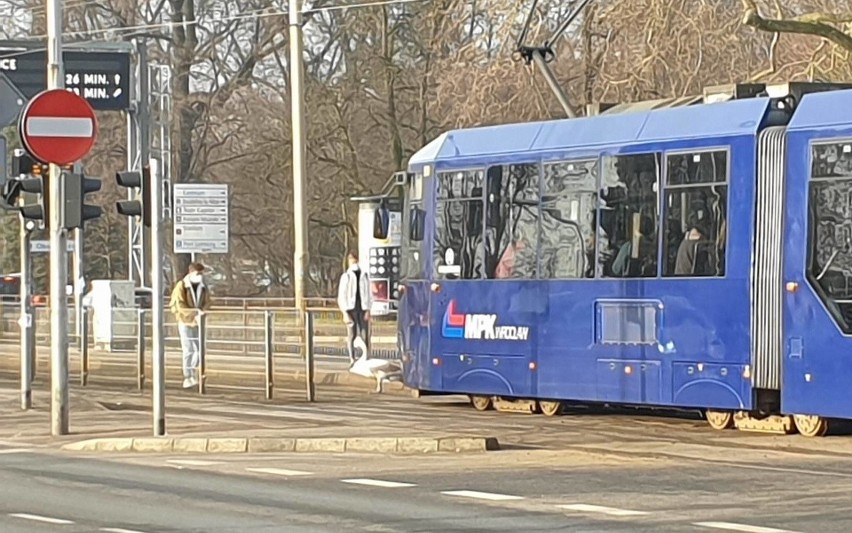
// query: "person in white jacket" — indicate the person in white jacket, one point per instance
point(354, 297)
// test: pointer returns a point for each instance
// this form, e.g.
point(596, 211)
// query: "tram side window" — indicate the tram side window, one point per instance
point(696, 204)
point(830, 228)
point(511, 229)
point(568, 209)
point(629, 218)
point(459, 217)
point(413, 221)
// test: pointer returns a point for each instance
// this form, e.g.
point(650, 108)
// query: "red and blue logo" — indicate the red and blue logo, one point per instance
point(479, 326)
point(453, 325)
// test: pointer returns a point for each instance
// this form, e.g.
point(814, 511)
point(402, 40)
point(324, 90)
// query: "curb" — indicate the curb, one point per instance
point(400, 445)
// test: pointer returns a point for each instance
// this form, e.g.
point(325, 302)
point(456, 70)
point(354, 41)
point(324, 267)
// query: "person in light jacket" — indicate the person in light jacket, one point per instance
point(190, 297)
point(355, 299)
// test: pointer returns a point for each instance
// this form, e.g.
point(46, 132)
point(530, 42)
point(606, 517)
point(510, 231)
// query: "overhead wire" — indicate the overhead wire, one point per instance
point(523, 36)
point(253, 15)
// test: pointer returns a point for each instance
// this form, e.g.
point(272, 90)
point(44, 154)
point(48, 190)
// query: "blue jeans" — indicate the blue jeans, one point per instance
point(191, 348)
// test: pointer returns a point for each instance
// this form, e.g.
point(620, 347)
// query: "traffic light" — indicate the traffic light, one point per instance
point(11, 192)
point(75, 187)
point(23, 163)
point(39, 185)
point(141, 207)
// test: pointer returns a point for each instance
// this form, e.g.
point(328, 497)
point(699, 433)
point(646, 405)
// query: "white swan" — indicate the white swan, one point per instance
point(380, 369)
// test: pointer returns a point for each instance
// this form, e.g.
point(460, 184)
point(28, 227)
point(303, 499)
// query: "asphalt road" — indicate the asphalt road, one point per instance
point(518, 491)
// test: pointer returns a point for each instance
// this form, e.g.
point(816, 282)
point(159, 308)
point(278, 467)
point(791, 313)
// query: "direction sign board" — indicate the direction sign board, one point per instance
point(200, 218)
point(42, 247)
point(58, 127)
point(101, 77)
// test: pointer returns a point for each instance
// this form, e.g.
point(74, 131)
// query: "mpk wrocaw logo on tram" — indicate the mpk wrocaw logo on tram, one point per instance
point(479, 326)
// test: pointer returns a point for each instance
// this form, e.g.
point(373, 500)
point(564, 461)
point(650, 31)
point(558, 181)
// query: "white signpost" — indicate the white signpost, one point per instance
point(43, 247)
point(200, 218)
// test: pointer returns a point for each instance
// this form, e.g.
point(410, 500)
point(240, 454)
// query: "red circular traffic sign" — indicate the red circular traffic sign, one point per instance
point(58, 126)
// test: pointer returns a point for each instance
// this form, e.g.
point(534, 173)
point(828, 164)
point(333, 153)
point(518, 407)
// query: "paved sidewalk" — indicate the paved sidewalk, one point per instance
point(112, 421)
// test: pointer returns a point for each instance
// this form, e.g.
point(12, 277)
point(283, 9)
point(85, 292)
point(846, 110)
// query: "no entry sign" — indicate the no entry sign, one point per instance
point(59, 127)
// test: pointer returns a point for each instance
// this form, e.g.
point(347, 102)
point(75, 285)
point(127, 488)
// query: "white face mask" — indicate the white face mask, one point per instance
point(195, 278)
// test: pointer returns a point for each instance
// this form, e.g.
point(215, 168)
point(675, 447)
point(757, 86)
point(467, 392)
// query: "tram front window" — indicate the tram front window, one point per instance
point(830, 240)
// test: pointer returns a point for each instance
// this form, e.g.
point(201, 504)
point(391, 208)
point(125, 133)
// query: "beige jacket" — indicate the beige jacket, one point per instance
point(183, 304)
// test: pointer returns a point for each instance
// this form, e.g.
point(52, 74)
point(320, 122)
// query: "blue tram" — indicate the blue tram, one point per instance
point(697, 256)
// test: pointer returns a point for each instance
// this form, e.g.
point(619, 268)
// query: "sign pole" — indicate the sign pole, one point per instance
point(78, 272)
point(158, 358)
point(300, 222)
point(26, 319)
point(59, 403)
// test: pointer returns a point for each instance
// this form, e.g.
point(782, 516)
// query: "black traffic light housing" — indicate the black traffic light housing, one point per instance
point(40, 185)
point(24, 163)
point(141, 207)
point(11, 192)
point(75, 187)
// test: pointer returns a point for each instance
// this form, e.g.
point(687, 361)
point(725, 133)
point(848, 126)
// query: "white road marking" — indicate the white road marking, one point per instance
point(730, 526)
point(378, 483)
point(279, 471)
point(481, 495)
point(193, 462)
point(611, 511)
point(119, 530)
point(15, 450)
point(39, 518)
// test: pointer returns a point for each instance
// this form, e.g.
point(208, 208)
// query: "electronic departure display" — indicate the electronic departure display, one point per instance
point(101, 77)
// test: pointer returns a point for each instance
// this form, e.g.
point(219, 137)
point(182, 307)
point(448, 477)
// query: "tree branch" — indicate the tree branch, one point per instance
point(817, 24)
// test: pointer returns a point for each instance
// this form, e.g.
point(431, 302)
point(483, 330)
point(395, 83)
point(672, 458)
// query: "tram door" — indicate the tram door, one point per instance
point(414, 325)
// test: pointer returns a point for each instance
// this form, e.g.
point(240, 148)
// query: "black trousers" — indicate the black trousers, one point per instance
point(356, 324)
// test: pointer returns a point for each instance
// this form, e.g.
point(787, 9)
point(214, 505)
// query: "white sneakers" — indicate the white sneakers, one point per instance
point(188, 383)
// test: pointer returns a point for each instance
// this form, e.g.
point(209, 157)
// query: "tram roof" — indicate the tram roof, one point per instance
point(706, 121)
point(823, 110)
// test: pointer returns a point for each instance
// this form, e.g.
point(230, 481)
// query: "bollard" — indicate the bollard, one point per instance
point(268, 321)
point(84, 347)
point(309, 356)
point(202, 352)
point(140, 350)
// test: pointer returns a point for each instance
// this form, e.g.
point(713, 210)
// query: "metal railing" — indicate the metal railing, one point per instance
point(238, 346)
point(255, 302)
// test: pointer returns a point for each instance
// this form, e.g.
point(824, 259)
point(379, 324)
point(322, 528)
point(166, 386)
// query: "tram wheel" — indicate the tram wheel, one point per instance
point(720, 420)
point(811, 425)
point(481, 403)
point(550, 408)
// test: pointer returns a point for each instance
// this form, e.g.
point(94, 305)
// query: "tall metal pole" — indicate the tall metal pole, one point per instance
point(58, 247)
point(299, 164)
point(158, 357)
point(143, 120)
point(26, 319)
point(78, 282)
point(136, 158)
point(77, 273)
